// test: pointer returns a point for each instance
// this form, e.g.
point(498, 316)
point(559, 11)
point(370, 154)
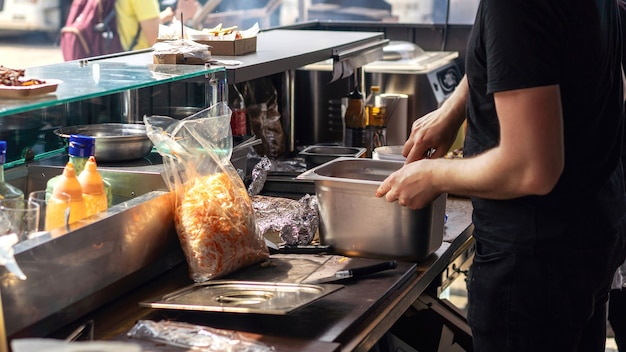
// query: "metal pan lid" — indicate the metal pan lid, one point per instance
point(272, 298)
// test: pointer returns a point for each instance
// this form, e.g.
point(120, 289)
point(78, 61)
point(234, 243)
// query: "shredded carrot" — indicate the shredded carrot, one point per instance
point(216, 227)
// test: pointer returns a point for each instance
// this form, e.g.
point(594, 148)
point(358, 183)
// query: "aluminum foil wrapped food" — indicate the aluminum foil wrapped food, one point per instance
point(295, 221)
point(195, 337)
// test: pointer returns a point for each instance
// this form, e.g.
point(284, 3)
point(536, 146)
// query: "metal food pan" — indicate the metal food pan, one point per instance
point(356, 223)
point(316, 155)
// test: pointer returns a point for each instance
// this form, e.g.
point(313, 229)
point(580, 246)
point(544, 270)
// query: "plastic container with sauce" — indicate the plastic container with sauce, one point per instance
point(79, 149)
point(93, 188)
point(68, 183)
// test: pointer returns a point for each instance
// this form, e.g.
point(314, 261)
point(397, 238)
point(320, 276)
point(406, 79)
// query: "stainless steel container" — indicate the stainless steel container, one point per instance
point(316, 155)
point(114, 141)
point(356, 223)
point(71, 271)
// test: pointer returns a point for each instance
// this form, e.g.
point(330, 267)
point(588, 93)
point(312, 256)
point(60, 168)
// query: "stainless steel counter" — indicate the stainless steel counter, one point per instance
point(351, 319)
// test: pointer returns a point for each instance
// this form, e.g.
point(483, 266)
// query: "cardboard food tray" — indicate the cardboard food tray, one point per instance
point(231, 47)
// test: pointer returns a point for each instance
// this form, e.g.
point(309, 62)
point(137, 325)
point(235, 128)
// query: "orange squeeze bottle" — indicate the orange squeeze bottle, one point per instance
point(68, 183)
point(93, 188)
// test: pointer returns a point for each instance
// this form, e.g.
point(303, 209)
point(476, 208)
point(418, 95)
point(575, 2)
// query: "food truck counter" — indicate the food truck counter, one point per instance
point(352, 318)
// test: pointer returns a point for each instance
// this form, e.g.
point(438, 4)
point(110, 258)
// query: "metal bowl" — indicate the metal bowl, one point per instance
point(114, 141)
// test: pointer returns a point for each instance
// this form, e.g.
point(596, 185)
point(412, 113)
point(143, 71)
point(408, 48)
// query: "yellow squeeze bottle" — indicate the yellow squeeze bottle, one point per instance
point(93, 188)
point(68, 183)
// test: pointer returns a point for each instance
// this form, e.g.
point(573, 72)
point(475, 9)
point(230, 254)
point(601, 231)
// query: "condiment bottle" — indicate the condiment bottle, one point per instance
point(7, 191)
point(93, 188)
point(375, 108)
point(68, 183)
point(238, 107)
point(79, 149)
point(355, 119)
point(57, 210)
point(355, 116)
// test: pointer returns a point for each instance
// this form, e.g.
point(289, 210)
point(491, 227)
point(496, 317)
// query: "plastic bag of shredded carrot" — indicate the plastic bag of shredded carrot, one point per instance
point(213, 212)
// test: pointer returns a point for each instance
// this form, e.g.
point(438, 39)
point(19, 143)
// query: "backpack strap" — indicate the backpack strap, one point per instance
point(136, 38)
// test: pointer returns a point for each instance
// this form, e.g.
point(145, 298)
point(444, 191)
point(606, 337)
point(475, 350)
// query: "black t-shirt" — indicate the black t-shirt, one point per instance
point(518, 44)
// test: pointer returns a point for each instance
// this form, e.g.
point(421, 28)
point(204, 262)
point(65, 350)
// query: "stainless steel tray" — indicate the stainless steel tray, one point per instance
point(272, 298)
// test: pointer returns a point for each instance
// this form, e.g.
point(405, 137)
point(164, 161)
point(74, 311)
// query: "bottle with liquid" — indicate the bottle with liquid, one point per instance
point(68, 183)
point(79, 149)
point(7, 191)
point(238, 107)
point(355, 116)
point(93, 188)
point(375, 108)
point(355, 119)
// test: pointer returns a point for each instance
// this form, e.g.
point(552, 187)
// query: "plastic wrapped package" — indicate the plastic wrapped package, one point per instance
point(195, 337)
point(264, 116)
point(212, 212)
point(187, 48)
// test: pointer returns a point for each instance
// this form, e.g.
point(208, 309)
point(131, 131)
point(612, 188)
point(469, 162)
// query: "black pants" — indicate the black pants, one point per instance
point(617, 317)
point(550, 302)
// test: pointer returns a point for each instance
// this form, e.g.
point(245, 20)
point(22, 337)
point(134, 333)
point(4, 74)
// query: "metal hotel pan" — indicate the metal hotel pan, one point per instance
point(114, 141)
point(356, 223)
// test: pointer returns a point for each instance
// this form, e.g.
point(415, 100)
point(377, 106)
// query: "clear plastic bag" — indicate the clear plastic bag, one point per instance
point(213, 212)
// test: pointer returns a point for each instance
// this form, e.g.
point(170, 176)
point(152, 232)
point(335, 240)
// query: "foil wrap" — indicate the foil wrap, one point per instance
point(295, 221)
point(259, 175)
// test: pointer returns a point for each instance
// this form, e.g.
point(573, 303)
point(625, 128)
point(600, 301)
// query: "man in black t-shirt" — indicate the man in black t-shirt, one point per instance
point(543, 101)
point(617, 299)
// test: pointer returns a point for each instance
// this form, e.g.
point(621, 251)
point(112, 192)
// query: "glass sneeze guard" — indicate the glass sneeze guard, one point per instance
point(83, 80)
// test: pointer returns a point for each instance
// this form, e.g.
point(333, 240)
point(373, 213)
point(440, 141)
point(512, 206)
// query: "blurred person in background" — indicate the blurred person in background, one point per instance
point(541, 162)
point(138, 22)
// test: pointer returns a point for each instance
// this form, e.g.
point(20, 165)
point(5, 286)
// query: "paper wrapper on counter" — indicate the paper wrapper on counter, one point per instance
point(180, 52)
point(213, 212)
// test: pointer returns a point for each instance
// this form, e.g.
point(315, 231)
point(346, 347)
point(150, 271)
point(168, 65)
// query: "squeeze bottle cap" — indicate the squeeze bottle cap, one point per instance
point(90, 179)
point(82, 146)
point(68, 183)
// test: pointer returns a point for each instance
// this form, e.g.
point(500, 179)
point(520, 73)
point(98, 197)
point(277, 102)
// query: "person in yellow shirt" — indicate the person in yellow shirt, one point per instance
point(138, 22)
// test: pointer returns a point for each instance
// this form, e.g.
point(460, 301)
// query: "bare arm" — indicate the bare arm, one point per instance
point(438, 129)
point(528, 161)
point(150, 29)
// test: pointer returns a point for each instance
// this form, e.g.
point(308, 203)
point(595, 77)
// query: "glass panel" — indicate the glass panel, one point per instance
point(85, 80)
point(115, 90)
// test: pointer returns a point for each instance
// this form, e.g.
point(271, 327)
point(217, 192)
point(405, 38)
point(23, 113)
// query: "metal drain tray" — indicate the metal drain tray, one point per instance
point(273, 298)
